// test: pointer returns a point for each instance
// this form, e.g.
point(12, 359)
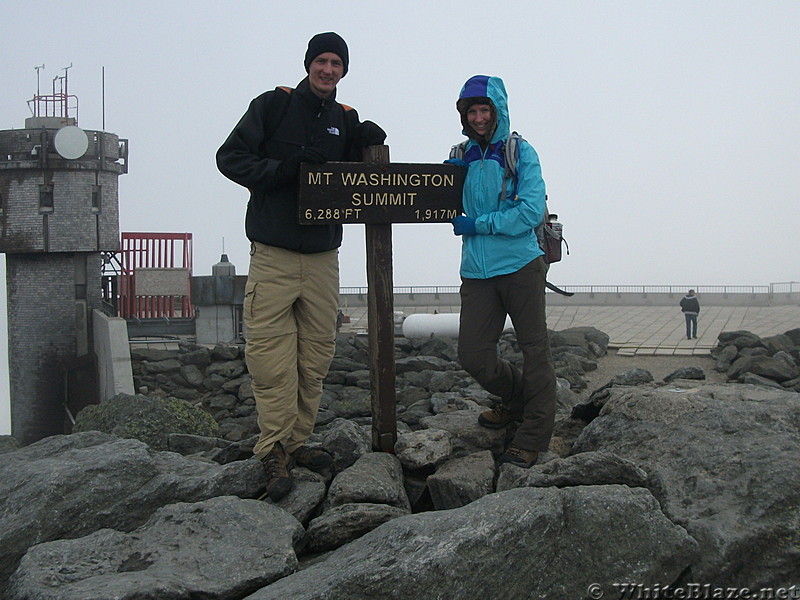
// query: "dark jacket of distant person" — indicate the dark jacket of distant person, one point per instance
point(690, 304)
point(251, 157)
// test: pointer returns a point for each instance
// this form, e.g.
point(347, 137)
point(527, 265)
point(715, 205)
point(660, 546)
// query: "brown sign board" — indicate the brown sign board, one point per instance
point(379, 193)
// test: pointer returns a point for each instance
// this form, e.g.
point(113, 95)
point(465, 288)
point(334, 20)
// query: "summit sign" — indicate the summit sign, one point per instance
point(379, 193)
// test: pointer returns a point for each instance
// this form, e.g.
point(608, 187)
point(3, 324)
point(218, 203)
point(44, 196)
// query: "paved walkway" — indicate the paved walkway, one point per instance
point(646, 330)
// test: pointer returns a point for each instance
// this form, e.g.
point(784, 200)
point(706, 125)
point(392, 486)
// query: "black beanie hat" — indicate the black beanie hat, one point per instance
point(327, 42)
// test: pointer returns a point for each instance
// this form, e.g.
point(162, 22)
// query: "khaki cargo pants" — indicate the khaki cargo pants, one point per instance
point(290, 306)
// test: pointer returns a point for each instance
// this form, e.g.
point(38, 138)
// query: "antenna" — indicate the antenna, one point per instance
point(66, 89)
point(37, 78)
point(223, 244)
point(103, 85)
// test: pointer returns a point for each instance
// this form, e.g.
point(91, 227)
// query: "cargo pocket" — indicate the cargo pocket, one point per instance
point(249, 298)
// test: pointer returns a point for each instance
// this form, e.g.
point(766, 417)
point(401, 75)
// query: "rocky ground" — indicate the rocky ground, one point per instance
point(660, 366)
point(670, 484)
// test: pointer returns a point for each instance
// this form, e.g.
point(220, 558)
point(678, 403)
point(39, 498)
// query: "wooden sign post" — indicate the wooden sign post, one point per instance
point(378, 193)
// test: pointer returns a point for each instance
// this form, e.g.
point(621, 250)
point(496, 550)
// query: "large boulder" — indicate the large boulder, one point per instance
point(723, 462)
point(221, 548)
point(72, 485)
point(523, 543)
point(150, 420)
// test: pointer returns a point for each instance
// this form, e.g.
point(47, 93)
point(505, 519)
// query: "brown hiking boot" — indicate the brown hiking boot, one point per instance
point(312, 458)
point(496, 418)
point(517, 456)
point(279, 477)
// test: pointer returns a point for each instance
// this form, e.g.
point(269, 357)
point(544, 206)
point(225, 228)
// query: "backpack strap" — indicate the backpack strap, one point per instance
point(511, 158)
point(458, 150)
point(276, 116)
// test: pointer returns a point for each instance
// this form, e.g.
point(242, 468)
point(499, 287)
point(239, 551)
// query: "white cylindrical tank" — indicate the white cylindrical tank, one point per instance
point(424, 325)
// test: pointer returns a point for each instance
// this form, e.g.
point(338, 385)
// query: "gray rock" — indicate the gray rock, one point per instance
point(407, 396)
point(151, 354)
point(565, 397)
point(587, 411)
point(794, 335)
point(753, 379)
point(778, 343)
point(438, 347)
point(222, 402)
point(229, 370)
point(686, 373)
point(448, 402)
point(221, 548)
point(376, 477)
point(423, 363)
point(72, 485)
point(765, 366)
point(586, 468)
point(200, 357)
point(581, 336)
point(351, 402)
point(343, 363)
point(740, 339)
point(225, 352)
point(347, 522)
point(423, 449)
point(725, 357)
point(792, 384)
point(346, 441)
point(358, 378)
point(150, 420)
point(635, 376)
point(722, 460)
point(417, 411)
point(8, 444)
point(306, 495)
point(526, 553)
point(193, 375)
point(460, 481)
point(187, 444)
point(171, 365)
point(444, 381)
point(466, 435)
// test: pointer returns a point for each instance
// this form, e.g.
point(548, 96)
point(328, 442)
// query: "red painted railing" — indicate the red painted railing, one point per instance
point(142, 251)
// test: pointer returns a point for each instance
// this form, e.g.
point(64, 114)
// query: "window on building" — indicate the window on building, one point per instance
point(46, 197)
point(97, 198)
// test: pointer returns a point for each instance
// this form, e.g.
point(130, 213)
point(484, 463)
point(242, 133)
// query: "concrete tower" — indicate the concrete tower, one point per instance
point(59, 210)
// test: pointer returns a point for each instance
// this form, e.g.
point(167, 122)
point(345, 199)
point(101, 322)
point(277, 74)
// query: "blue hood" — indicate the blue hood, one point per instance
point(484, 86)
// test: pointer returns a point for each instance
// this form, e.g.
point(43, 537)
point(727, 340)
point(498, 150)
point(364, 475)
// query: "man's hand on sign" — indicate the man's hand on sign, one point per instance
point(287, 172)
point(369, 134)
point(463, 225)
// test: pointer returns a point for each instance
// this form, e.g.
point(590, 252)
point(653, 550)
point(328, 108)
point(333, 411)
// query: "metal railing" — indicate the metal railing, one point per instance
point(789, 287)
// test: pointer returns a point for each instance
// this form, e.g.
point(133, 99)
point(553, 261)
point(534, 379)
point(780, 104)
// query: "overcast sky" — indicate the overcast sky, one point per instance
point(667, 130)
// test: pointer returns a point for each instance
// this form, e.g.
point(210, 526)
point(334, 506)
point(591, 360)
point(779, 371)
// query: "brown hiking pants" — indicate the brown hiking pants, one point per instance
point(530, 394)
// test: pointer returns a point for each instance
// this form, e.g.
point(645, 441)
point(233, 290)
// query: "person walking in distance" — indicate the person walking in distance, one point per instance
point(292, 290)
point(690, 306)
point(503, 272)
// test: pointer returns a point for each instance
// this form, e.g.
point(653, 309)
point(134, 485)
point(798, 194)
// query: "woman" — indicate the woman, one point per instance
point(503, 272)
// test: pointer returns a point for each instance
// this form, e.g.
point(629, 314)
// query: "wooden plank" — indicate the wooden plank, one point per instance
point(380, 313)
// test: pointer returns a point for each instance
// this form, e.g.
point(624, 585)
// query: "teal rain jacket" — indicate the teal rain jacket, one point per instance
point(505, 240)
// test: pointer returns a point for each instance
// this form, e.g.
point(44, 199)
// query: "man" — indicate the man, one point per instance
point(291, 296)
point(690, 306)
point(503, 272)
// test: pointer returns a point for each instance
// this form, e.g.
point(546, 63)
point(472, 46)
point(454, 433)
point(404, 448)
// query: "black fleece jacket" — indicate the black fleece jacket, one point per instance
point(276, 125)
point(690, 304)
